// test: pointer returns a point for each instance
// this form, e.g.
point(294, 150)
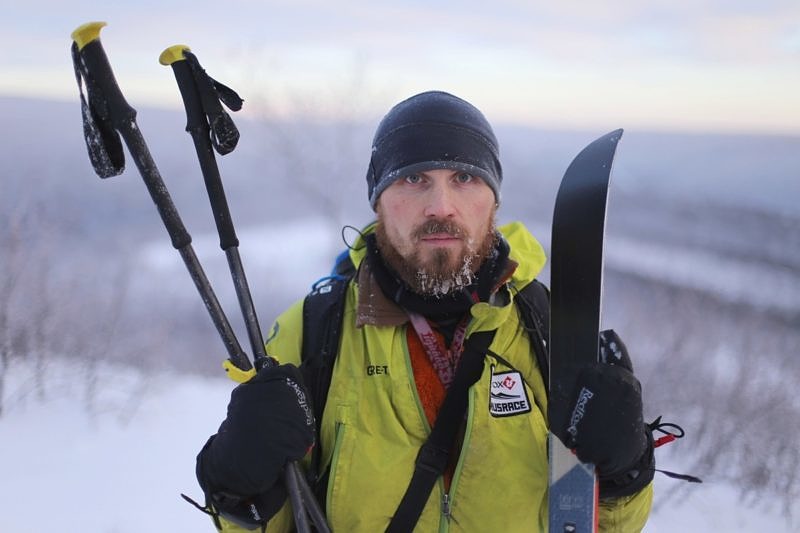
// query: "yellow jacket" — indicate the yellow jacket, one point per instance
point(373, 424)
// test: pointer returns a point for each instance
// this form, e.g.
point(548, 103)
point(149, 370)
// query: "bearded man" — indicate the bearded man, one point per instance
point(435, 291)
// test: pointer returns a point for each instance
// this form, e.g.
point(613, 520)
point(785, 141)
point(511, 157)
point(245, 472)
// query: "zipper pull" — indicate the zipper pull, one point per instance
point(446, 505)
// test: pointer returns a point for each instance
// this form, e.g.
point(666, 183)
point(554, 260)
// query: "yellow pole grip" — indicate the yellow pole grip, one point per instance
point(172, 54)
point(237, 374)
point(86, 33)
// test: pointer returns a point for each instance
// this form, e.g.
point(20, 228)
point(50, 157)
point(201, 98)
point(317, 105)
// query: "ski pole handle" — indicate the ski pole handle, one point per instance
point(87, 37)
point(123, 119)
point(198, 128)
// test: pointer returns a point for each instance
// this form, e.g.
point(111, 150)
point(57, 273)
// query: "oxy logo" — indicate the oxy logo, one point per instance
point(507, 396)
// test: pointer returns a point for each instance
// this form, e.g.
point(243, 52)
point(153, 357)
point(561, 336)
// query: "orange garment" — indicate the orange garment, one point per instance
point(430, 390)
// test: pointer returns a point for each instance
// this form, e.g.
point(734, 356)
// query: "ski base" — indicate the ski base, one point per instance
point(573, 491)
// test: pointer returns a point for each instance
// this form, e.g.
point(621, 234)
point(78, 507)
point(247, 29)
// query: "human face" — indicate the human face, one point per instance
point(435, 228)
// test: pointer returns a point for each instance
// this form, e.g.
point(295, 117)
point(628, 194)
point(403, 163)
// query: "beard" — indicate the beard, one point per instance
point(446, 270)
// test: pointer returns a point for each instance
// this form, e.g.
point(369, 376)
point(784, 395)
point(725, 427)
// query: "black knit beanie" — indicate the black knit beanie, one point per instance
point(433, 130)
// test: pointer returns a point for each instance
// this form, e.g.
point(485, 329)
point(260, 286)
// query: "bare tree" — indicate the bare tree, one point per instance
point(318, 141)
point(718, 369)
point(11, 243)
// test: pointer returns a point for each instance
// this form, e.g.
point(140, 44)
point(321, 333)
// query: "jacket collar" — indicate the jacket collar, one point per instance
point(374, 308)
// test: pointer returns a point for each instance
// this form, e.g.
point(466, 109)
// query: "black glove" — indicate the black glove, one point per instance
point(606, 426)
point(269, 423)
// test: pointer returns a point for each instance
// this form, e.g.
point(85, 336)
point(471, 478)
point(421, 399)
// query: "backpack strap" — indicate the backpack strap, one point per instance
point(533, 302)
point(434, 454)
point(323, 311)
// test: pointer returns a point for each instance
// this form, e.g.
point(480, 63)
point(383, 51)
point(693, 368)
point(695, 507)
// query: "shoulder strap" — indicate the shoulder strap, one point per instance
point(323, 309)
point(533, 302)
point(433, 456)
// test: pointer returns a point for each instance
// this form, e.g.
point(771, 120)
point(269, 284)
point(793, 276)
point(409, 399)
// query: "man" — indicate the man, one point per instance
point(434, 274)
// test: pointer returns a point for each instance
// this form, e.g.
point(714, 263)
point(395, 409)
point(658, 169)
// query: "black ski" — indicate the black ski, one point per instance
point(576, 282)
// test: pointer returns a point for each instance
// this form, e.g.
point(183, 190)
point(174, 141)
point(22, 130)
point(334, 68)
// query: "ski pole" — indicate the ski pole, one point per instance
point(208, 124)
point(108, 116)
point(203, 106)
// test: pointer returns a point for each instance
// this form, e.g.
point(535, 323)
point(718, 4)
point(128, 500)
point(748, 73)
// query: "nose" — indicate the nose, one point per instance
point(441, 201)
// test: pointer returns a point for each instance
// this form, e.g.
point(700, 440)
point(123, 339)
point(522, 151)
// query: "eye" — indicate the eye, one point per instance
point(414, 179)
point(464, 177)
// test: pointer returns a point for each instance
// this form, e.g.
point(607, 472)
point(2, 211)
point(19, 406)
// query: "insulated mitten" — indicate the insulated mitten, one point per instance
point(269, 423)
point(606, 426)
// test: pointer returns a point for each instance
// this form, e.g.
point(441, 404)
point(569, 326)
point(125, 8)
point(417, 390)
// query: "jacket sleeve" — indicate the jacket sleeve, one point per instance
point(626, 514)
point(285, 339)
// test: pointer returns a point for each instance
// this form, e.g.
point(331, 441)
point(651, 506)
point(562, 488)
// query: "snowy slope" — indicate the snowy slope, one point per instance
point(120, 470)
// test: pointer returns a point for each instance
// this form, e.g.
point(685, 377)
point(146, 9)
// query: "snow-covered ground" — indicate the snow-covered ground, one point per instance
point(122, 468)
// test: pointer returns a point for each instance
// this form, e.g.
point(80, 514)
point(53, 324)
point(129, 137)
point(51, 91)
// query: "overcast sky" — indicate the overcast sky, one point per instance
point(697, 65)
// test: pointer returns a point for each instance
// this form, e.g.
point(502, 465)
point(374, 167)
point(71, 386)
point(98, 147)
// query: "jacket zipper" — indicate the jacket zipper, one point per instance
point(446, 500)
point(446, 506)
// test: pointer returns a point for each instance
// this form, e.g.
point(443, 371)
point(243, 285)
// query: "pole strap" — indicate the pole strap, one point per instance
point(102, 140)
point(224, 134)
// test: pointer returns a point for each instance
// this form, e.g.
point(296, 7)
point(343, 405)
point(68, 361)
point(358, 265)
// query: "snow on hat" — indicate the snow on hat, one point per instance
point(433, 130)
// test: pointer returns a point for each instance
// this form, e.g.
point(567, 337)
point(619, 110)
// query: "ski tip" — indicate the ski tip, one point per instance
point(86, 33)
point(615, 135)
point(172, 54)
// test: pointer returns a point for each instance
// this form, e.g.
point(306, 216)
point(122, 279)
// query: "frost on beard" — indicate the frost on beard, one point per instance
point(439, 285)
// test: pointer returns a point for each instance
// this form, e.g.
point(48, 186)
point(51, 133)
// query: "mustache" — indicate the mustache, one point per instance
point(438, 226)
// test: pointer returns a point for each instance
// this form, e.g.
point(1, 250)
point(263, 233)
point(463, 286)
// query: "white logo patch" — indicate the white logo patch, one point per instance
point(507, 396)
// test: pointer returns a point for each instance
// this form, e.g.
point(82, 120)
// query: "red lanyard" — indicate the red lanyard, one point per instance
point(444, 361)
